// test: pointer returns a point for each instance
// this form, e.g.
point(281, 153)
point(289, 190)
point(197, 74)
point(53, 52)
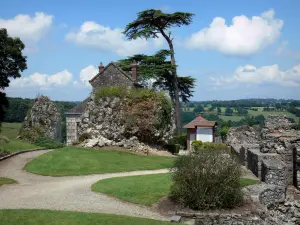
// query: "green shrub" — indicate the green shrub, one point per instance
point(33, 133)
point(181, 140)
point(196, 145)
point(48, 143)
point(214, 146)
point(84, 137)
point(206, 180)
point(110, 91)
point(172, 148)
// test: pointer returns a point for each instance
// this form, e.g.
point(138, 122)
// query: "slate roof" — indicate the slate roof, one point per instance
point(79, 108)
point(199, 121)
point(116, 65)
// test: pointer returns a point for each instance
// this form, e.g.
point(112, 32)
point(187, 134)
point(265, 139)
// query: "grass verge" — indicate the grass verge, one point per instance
point(246, 182)
point(70, 161)
point(38, 217)
point(4, 180)
point(144, 190)
point(11, 130)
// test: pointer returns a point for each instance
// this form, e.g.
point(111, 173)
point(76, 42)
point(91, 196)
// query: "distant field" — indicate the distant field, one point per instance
point(232, 118)
point(266, 113)
point(11, 130)
point(236, 117)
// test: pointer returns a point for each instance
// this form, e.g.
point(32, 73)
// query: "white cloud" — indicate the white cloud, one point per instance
point(42, 81)
point(87, 74)
point(105, 38)
point(27, 27)
point(285, 51)
point(245, 36)
point(267, 74)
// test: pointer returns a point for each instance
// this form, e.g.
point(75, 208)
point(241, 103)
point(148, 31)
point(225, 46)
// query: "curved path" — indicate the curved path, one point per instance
point(72, 193)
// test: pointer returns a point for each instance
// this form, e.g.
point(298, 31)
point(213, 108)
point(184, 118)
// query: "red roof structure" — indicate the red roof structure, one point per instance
point(199, 121)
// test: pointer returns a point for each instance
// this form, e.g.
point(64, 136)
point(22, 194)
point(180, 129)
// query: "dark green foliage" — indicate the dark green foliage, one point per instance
point(12, 63)
point(199, 109)
point(84, 137)
point(152, 23)
point(197, 145)
point(187, 117)
point(181, 140)
point(214, 146)
point(32, 134)
point(296, 126)
point(47, 142)
point(172, 148)
point(206, 180)
point(158, 67)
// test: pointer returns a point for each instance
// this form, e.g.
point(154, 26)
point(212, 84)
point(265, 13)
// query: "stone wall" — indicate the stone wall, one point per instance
point(277, 140)
point(274, 172)
point(72, 128)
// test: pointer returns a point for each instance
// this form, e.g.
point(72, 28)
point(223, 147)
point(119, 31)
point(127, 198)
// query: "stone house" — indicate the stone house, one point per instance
point(111, 75)
point(200, 129)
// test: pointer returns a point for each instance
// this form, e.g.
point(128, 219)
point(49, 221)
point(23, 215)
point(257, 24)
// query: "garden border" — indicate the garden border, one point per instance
point(20, 152)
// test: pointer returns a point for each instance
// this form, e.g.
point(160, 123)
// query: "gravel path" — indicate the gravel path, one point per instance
point(64, 193)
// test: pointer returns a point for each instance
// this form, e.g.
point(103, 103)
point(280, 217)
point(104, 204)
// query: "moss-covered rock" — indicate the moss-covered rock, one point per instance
point(43, 119)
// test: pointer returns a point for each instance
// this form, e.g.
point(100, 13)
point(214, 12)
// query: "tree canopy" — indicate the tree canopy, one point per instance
point(12, 63)
point(157, 68)
point(151, 24)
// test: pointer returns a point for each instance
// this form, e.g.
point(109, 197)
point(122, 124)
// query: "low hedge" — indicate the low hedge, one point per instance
point(172, 148)
point(48, 143)
point(181, 140)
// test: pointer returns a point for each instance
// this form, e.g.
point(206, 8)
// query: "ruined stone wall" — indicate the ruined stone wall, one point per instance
point(72, 128)
point(277, 140)
point(43, 119)
point(108, 122)
point(274, 172)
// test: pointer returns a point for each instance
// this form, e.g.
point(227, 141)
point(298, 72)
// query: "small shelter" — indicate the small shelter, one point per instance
point(200, 129)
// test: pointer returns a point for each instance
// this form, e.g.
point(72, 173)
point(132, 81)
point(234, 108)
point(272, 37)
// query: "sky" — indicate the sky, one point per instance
point(235, 49)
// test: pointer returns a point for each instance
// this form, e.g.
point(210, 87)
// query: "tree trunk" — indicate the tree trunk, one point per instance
point(175, 83)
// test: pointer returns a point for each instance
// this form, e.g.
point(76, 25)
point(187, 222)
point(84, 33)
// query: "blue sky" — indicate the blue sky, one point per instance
point(235, 49)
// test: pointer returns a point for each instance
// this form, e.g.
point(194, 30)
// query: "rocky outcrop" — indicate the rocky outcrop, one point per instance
point(243, 135)
point(43, 119)
point(115, 121)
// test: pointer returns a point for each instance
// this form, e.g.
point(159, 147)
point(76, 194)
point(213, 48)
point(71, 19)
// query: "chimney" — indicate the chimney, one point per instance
point(134, 74)
point(101, 67)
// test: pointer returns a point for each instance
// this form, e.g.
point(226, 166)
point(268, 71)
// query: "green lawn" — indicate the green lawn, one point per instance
point(17, 145)
point(246, 182)
point(70, 161)
point(4, 180)
point(11, 130)
point(145, 190)
point(39, 217)
point(266, 113)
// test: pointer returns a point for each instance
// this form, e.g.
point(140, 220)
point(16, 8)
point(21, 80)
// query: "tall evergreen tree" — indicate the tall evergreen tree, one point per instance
point(152, 23)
